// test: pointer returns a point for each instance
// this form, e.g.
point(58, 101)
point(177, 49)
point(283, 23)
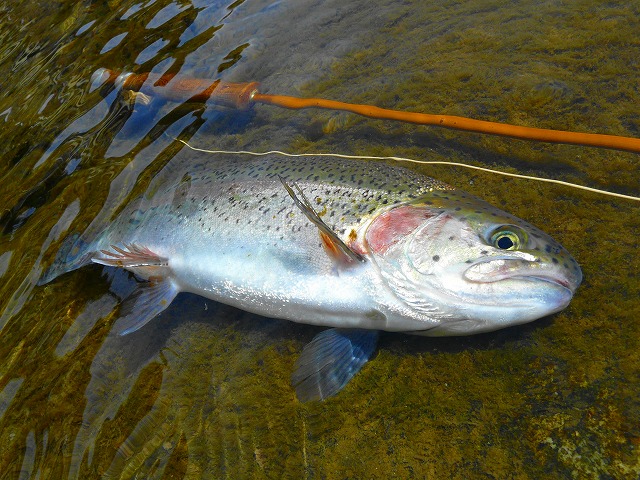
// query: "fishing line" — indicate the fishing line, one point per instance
point(411, 160)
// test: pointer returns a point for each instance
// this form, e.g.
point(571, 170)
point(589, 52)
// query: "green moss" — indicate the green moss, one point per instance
point(204, 391)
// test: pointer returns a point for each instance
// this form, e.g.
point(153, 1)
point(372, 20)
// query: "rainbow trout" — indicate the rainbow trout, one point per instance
point(353, 245)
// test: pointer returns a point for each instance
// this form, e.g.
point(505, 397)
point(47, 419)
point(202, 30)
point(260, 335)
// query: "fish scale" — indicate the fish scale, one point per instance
point(367, 184)
point(359, 246)
point(233, 202)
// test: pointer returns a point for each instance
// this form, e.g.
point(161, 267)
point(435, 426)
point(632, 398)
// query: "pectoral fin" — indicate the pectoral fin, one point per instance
point(333, 245)
point(330, 360)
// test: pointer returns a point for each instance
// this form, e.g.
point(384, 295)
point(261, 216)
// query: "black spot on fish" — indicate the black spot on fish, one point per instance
point(436, 258)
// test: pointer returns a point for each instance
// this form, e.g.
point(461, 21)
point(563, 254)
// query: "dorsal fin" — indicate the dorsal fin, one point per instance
point(334, 246)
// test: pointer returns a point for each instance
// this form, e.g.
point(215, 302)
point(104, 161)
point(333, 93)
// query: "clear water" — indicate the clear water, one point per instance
point(203, 391)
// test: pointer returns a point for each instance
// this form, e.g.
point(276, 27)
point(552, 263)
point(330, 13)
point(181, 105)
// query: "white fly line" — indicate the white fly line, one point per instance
point(411, 160)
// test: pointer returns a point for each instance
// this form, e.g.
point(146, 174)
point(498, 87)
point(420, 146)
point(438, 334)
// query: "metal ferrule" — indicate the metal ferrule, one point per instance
point(120, 81)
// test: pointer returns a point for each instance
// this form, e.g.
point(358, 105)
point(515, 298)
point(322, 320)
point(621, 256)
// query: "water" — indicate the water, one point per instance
point(203, 391)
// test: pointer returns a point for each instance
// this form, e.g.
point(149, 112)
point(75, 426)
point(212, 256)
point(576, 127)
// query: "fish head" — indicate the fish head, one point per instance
point(451, 256)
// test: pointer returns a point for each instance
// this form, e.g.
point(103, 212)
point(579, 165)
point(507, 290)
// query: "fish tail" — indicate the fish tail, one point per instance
point(73, 254)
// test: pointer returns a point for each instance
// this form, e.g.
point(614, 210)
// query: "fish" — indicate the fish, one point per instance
point(357, 246)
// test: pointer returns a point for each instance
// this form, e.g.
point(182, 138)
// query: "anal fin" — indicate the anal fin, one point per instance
point(150, 298)
point(144, 304)
point(330, 360)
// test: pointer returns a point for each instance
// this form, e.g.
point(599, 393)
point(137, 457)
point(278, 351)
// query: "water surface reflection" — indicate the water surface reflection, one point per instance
point(203, 391)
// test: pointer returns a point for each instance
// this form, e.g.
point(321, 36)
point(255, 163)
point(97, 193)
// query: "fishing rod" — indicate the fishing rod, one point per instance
point(242, 96)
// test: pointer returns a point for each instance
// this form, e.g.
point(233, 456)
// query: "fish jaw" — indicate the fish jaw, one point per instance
point(512, 292)
point(521, 266)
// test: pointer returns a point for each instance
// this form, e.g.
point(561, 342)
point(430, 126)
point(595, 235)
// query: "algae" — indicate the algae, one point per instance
point(204, 391)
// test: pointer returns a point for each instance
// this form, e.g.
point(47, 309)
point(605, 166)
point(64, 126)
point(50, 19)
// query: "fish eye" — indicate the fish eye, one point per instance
point(506, 239)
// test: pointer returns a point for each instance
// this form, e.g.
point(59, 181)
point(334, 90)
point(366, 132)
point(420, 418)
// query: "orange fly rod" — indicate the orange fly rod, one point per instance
point(244, 95)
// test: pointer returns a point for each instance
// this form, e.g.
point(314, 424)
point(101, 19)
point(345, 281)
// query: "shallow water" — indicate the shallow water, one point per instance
point(203, 391)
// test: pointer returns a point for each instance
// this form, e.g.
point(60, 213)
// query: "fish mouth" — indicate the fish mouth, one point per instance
point(563, 282)
point(532, 288)
point(517, 269)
